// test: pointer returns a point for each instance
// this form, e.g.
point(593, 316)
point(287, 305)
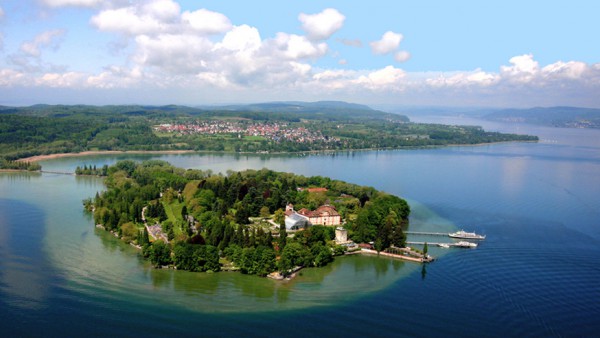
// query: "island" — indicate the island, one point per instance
point(292, 127)
point(259, 222)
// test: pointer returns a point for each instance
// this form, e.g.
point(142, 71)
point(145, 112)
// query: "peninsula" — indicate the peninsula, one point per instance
point(293, 127)
point(247, 221)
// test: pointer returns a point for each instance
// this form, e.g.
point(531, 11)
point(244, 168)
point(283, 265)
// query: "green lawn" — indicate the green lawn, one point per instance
point(173, 211)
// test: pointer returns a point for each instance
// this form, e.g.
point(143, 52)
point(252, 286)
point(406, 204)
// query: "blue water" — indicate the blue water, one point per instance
point(536, 274)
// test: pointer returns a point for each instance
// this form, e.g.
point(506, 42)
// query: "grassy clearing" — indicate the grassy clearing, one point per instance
point(173, 211)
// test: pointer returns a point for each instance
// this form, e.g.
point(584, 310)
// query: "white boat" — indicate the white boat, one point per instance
point(444, 245)
point(465, 244)
point(466, 235)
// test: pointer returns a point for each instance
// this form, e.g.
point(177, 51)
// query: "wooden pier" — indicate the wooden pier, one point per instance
point(428, 243)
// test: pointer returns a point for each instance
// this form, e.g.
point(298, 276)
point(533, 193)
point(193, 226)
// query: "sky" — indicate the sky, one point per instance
point(405, 52)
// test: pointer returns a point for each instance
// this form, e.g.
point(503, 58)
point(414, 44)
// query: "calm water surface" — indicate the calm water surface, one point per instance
point(536, 274)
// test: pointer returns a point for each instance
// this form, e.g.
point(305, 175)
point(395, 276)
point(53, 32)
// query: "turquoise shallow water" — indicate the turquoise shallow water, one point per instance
point(535, 275)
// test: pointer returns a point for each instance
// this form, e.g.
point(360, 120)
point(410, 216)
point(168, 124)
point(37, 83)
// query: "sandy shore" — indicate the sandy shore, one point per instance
point(100, 152)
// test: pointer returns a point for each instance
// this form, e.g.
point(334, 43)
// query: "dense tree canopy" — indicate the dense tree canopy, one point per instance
point(199, 218)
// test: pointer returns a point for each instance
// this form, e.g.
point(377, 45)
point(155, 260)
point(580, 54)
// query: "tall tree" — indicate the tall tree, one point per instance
point(280, 219)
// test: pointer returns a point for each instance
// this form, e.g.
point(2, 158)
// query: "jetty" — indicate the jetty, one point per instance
point(462, 235)
point(56, 172)
point(459, 234)
point(406, 255)
point(461, 244)
point(427, 233)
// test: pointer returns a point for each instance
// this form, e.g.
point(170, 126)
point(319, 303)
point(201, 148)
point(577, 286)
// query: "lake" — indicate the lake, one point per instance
point(536, 274)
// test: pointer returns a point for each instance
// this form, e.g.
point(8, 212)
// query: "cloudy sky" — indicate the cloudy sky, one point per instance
point(434, 53)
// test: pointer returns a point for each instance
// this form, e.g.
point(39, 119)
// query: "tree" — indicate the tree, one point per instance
point(158, 253)
point(265, 212)
point(425, 249)
point(129, 232)
point(294, 254)
point(144, 237)
point(399, 238)
point(184, 212)
point(280, 219)
point(322, 254)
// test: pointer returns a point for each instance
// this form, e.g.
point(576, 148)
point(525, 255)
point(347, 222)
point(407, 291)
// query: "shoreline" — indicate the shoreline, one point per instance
point(37, 158)
point(100, 152)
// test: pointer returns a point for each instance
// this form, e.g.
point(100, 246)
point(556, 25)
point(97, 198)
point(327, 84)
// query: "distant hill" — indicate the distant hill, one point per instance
point(297, 106)
point(289, 111)
point(329, 110)
point(568, 117)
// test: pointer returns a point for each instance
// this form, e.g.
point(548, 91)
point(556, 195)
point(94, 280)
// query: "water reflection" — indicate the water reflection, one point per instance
point(87, 181)
point(108, 240)
point(23, 265)
point(19, 176)
point(235, 292)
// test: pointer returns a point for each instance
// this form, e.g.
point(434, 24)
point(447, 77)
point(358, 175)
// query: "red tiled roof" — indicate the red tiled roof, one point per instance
point(319, 212)
point(328, 209)
point(317, 189)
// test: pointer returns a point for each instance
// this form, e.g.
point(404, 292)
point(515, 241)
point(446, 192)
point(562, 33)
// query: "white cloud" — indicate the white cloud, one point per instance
point(332, 74)
point(567, 70)
point(164, 10)
point(523, 69)
point(61, 80)
point(202, 51)
point(128, 20)
point(10, 77)
point(115, 77)
point(322, 25)
point(49, 39)
point(215, 79)
point(382, 79)
point(402, 56)
point(86, 3)
point(241, 38)
point(173, 53)
point(76, 3)
point(152, 17)
point(351, 42)
point(296, 47)
point(388, 43)
point(206, 22)
point(179, 48)
point(463, 79)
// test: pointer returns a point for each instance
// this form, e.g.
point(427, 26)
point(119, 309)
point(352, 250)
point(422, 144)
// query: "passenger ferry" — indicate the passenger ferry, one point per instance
point(466, 235)
point(465, 244)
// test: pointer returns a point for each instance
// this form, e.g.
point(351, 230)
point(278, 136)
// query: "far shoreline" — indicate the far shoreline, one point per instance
point(37, 158)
